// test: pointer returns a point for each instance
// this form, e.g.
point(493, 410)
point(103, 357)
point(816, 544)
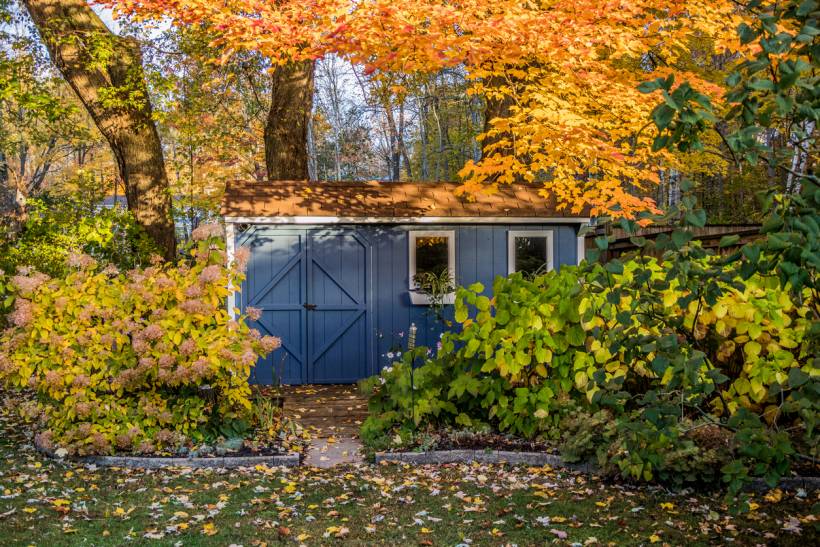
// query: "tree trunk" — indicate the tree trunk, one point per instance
point(286, 129)
point(116, 97)
point(495, 108)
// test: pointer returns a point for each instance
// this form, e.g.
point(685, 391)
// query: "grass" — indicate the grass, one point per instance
point(44, 502)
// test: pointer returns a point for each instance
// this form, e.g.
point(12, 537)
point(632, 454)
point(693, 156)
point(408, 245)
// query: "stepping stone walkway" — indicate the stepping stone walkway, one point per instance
point(332, 414)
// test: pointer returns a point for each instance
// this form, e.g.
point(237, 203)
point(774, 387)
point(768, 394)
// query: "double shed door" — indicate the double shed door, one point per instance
point(314, 289)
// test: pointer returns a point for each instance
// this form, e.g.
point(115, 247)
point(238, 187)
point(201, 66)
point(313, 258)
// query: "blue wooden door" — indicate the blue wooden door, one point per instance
point(314, 290)
point(338, 291)
point(275, 283)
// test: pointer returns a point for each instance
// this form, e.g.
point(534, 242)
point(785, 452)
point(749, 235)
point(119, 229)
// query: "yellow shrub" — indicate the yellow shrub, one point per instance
point(143, 360)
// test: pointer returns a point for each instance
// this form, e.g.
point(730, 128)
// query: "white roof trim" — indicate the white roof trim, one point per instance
point(403, 220)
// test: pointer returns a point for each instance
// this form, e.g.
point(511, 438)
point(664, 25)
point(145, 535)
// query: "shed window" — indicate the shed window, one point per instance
point(530, 252)
point(432, 266)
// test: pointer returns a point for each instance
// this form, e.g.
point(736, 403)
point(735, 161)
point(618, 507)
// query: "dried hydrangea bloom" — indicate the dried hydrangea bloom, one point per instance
point(164, 375)
point(6, 366)
point(83, 431)
point(146, 447)
point(210, 274)
point(100, 444)
point(194, 306)
point(241, 258)
point(153, 332)
point(81, 380)
point(124, 441)
point(248, 358)
point(80, 261)
point(254, 314)
point(165, 437)
point(82, 409)
point(164, 282)
point(53, 379)
point(27, 284)
point(22, 314)
point(207, 231)
point(45, 439)
point(187, 347)
point(200, 368)
point(193, 291)
point(139, 345)
point(270, 343)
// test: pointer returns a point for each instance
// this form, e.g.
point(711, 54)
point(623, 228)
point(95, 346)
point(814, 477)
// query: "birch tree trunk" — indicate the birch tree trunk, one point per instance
point(114, 93)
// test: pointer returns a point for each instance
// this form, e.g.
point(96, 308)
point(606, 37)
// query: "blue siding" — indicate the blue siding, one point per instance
point(367, 274)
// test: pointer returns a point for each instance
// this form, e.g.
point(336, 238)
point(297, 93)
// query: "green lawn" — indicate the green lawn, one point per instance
point(48, 503)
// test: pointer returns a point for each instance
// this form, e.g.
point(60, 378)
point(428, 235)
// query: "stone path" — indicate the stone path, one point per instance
point(332, 414)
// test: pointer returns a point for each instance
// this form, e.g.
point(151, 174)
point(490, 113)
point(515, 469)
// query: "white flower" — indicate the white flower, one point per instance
point(389, 354)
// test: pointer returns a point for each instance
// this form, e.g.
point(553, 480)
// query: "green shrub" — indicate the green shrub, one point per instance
point(142, 361)
point(663, 346)
point(58, 226)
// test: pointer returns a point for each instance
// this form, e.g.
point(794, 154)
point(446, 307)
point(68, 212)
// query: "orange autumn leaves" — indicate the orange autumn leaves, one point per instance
point(567, 70)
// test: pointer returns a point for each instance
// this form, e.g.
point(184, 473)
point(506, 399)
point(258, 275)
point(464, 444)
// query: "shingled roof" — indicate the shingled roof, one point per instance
point(383, 200)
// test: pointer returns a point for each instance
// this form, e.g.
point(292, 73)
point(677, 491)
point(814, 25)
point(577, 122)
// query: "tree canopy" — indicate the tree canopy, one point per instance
point(567, 71)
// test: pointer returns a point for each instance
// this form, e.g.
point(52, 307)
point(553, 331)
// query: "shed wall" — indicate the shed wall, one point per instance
point(481, 255)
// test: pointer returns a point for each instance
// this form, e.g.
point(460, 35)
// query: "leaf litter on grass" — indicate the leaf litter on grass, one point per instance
point(44, 501)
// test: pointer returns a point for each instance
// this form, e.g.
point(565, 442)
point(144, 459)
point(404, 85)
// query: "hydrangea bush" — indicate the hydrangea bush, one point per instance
point(145, 360)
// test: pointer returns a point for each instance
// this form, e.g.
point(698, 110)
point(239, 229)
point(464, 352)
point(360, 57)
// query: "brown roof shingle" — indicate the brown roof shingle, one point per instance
point(375, 199)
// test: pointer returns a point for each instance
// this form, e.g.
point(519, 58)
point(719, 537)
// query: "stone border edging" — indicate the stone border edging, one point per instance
point(228, 462)
point(554, 460)
point(480, 456)
point(291, 459)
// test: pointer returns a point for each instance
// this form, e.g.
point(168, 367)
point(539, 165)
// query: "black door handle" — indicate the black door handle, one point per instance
point(309, 307)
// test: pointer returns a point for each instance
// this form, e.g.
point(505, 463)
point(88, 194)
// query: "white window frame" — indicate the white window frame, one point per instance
point(417, 298)
point(512, 234)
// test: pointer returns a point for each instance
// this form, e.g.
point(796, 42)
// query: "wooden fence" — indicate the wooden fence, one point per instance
point(709, 236)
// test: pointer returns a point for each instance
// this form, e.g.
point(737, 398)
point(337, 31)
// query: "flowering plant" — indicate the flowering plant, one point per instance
point(130, 361)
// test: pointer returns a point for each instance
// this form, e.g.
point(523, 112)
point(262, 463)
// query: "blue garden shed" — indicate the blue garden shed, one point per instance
point(334, 266)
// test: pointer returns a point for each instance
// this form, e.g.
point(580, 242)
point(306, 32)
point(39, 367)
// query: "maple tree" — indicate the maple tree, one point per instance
point(566, 72)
